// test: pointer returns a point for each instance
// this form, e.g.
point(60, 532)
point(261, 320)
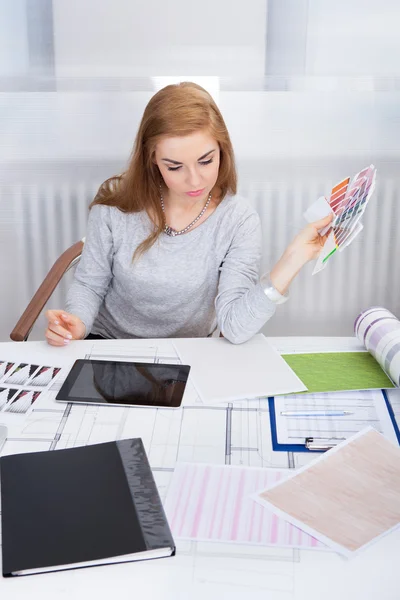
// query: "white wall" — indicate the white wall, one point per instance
point(128, 37)
point(286, 125)
point(353, 38)
point(69, 126)
point(14, 59)
point(122, 38)
point(263, 125)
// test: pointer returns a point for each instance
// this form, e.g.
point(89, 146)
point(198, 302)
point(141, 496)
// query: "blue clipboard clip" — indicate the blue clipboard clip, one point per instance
point(318, 444)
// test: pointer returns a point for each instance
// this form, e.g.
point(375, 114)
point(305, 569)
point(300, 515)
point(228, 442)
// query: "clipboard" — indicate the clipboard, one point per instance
point(278, 447)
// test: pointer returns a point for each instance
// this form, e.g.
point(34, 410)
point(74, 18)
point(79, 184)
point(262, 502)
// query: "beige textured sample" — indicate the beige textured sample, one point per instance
point(350, 496)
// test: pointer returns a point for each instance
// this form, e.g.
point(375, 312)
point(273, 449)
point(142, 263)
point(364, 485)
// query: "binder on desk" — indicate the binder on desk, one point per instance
point(325, 441)
point(80, 507)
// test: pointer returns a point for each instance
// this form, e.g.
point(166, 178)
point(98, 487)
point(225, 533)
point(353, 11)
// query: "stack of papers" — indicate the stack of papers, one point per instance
point(344, 500)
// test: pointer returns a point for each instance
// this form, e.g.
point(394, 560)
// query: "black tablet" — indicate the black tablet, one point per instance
point(125, 383)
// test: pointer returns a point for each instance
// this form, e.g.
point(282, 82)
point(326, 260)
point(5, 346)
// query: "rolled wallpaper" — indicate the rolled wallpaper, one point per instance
point(379, 330)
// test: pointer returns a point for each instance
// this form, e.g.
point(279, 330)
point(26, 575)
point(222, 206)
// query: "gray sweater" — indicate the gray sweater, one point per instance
point(183, 286)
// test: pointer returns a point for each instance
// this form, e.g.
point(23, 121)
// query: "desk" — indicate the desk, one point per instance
point(194, 433)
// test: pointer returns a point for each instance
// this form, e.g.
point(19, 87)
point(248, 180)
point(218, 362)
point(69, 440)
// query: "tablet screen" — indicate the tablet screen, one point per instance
point(125, 383)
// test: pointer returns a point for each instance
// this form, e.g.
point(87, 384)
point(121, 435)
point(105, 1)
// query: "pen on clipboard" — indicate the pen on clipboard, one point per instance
point(322, 444)
point(315, 413)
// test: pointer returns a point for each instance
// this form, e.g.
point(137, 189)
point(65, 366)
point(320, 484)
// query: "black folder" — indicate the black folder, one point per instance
point(80, 507)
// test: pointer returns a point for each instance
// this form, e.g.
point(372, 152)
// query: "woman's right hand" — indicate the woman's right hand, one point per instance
point(63, 327)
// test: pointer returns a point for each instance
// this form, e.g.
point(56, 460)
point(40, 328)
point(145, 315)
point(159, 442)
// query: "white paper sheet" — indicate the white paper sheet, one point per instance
point(222, 371)
point(367, 408)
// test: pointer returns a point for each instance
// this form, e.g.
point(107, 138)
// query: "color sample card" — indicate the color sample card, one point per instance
point(21, 385)
point(338, 195)
point(213, 503)
point(43, 376)
point(338, 371)
point(347, 498)
point(6, 394)
point(21, 374)
point(348, 202)
point(5, 368)
point(22, 401)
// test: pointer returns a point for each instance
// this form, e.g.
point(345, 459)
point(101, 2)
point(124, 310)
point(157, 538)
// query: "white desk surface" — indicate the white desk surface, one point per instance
point(198, 433)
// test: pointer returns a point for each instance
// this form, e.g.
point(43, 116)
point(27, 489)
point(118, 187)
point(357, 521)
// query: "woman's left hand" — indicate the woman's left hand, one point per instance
point(308, 243)
point(306, 246)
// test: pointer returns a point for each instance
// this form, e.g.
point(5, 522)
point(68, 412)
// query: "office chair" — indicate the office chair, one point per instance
point(68, 259)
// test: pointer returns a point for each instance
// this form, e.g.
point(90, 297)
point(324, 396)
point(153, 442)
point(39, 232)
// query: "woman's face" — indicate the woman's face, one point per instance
point(189, 165)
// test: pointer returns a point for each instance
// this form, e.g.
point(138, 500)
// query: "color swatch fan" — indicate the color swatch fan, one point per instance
point(348, 201)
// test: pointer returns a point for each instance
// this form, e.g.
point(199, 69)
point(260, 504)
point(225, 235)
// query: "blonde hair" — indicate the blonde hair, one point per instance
point(176, 110)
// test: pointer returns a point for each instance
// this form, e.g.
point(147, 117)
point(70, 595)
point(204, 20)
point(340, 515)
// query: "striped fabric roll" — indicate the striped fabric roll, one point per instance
point(379, 330)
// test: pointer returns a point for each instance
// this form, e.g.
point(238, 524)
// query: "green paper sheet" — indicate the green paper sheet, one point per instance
point(338, 371)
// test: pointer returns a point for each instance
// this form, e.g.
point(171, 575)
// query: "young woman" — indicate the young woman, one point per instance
point(171, 250)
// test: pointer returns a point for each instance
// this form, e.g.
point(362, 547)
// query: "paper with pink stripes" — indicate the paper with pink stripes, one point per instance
point(212, 503)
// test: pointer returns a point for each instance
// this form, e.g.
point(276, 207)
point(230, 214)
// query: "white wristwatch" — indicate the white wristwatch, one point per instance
point(271, 292)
